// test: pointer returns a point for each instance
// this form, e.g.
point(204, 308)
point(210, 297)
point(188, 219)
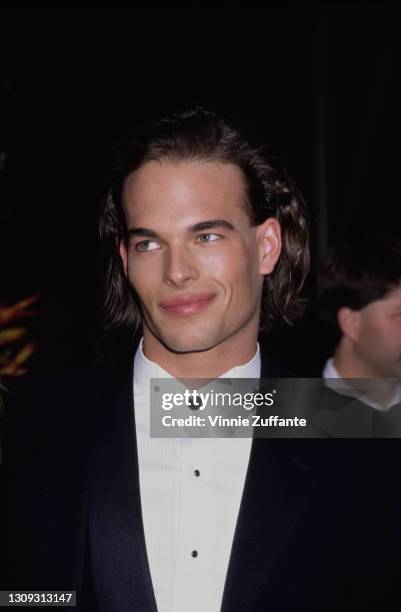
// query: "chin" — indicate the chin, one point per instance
point(186, 342)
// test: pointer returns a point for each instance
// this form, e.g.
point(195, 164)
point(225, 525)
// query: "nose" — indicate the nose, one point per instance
point(180, 266)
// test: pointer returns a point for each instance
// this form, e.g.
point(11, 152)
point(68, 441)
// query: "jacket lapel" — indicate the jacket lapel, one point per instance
point(120, 568)
point(279, 480)
point(277, 488)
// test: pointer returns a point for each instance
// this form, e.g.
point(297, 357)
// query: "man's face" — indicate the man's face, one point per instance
point(378, 337)
point(192, 257)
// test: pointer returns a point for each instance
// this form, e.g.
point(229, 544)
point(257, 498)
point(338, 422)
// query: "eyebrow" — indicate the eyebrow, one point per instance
point(198, 227)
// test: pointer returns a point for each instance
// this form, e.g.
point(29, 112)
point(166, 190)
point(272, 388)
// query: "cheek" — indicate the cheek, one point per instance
point(141, 279)
point(392, 336)
point(382, 337)
point(237, 266)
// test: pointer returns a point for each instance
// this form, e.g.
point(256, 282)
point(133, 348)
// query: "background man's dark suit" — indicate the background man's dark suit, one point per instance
point(318, 528)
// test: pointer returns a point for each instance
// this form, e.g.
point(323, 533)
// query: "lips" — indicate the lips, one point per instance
point(187, 304)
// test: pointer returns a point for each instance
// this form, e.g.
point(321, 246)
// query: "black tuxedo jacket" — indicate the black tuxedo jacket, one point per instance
point(318, 528)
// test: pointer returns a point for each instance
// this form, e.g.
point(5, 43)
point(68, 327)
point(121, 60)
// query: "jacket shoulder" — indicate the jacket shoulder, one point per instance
point(41, 408)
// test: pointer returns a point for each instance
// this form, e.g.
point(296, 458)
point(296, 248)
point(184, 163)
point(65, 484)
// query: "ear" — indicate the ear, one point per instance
point(124, 256)
point(349, 322)
point(268, 236)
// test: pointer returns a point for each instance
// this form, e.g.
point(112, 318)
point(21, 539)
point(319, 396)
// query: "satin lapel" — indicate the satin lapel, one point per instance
point(280, 476)
point(120, 568)
point(278, 484)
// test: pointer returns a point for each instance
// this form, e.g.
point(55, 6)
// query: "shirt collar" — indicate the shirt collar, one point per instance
point(341, 386)
point(330, 370)
point(145, 369)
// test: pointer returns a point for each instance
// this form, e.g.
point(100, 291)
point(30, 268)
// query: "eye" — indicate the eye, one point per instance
point(146, 245)
point(204, 238)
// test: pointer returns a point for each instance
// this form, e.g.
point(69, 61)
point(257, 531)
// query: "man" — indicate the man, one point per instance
point(360, 295)
point(205, 242)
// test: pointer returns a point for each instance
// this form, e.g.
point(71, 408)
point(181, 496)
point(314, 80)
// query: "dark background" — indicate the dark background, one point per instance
point(316, 81)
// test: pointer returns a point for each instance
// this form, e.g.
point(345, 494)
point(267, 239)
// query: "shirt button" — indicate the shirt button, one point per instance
point(194, 403)
point(194, 553)
point(196, 473)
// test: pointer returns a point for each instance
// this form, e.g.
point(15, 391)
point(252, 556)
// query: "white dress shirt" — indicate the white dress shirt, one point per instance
point(191, 490)
point(332, 378)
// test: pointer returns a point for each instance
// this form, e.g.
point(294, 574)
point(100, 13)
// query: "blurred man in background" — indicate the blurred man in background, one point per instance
point(360, 295)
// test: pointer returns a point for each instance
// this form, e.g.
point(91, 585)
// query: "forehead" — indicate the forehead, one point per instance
point(184, 190)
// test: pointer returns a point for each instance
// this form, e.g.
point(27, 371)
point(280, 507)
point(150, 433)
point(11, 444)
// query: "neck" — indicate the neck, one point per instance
point(365, 379)
point(346, 364)
point(210, 363)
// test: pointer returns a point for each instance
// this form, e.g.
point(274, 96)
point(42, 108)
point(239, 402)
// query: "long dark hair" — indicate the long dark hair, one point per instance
point(202, 136)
